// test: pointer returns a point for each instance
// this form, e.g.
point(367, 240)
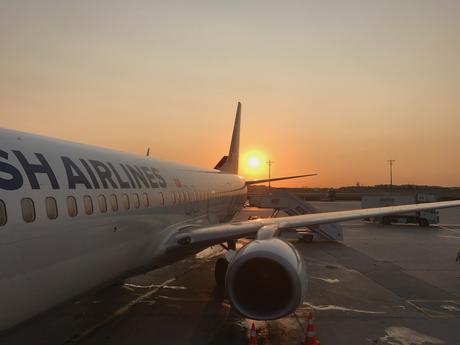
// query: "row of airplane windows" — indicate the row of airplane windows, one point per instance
point(29, 214)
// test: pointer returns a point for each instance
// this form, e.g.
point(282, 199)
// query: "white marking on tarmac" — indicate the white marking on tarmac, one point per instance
point(406, 336)
point(448, 229)
point(327, 280)
point(336, 307)
point(450, 307)
point(182, 299)
point(457, 237)
point(421, 306)
point(172, 287)
point(117, 313)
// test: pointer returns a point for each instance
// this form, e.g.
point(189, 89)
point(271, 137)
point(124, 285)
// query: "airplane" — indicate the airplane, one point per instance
point(75, 217)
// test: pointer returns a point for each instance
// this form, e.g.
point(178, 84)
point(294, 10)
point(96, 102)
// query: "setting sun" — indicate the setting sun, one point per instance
point(254, 162)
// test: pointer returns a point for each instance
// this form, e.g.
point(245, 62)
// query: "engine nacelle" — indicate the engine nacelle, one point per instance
point(266, 279)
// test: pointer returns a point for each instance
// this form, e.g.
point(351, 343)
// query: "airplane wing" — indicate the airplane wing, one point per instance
point(250, 182)
point(215, 234)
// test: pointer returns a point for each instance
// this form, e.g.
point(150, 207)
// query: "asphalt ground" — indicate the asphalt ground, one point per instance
point(394, 285)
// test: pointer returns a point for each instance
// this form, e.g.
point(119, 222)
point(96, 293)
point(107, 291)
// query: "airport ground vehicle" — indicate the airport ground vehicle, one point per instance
point(422, 218)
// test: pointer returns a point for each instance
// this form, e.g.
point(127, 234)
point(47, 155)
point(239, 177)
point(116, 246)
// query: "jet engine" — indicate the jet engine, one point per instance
point(266, 279)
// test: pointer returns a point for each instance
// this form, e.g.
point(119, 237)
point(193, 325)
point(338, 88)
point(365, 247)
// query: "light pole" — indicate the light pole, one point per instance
point(391, 161)
point(269, 163)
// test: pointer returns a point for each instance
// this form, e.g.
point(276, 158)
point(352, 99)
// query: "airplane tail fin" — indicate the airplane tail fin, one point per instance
point(229, 164)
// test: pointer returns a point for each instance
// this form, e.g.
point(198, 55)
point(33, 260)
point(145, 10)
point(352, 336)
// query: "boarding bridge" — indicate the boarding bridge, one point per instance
point(292, 205)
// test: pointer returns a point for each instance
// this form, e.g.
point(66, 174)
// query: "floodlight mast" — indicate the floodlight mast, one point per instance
point(269, 163)
point(391, 161)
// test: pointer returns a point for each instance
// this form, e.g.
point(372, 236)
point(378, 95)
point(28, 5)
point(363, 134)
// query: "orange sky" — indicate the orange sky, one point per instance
point(336, 88)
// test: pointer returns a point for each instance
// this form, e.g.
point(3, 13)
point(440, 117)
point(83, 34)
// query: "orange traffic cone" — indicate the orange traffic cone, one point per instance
point(310, 338)
point(253, 335)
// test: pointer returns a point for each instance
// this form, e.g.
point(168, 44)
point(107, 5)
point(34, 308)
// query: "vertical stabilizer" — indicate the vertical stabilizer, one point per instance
point(229, 164)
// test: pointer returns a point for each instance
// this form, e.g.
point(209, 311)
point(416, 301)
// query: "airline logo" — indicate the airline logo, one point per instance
point(90, 173)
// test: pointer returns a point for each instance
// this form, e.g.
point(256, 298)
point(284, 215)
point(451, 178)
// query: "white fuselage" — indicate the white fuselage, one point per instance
point(47, 258)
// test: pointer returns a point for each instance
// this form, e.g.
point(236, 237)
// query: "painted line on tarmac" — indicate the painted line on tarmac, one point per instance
point(436, 314)
point(116, 314)
point(339, 308)
point(456, 237)
point(443, 227)
point(327, 280)
point(172, 287)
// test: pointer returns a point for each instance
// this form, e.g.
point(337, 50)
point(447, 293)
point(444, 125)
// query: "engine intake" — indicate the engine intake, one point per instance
point(266, 280)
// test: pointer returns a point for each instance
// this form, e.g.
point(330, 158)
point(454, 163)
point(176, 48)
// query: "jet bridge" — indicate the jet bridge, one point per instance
point(292, 205)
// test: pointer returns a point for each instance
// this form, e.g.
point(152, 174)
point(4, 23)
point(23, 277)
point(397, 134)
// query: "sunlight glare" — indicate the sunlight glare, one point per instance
point(254, 162)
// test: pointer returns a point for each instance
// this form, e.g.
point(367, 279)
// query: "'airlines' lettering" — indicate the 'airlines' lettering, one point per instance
point(13, 183)
point(123, 184)
point(90, 173)
point(74, 174)
point(33, 169)
point(138, 175)
point(104, 173)
point(150, 176)
point(86, 174)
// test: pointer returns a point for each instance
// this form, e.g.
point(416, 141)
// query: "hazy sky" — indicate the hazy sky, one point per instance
point(333, 87)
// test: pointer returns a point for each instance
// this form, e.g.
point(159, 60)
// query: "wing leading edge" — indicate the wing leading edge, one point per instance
point(250, 182)
point(207, 236)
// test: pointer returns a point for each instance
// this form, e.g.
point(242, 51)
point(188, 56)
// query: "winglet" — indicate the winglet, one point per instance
point(229, 164)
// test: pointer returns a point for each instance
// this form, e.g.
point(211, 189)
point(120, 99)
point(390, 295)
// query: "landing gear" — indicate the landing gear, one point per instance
point(220, 271)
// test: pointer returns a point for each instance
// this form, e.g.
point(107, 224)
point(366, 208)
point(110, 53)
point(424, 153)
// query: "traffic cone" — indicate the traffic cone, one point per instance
point(310, 338)
point(253, 335)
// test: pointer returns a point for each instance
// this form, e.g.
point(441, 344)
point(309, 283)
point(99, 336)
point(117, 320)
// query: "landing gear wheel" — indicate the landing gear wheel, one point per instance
point(220, 271)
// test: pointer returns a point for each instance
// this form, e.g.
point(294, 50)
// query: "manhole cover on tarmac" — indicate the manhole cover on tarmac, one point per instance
point(437, 308)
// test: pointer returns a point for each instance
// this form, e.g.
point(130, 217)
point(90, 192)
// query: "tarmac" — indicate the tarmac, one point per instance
point(393, 285)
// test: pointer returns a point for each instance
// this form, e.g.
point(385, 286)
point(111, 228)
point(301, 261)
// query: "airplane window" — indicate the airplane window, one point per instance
point(187, 196)
point(102, 203)
point(136, 201)
point(114, 202)
point(72, 206)
point(51, 208)
point(145, 200)
point(162, 199)
point(126, 201)
point(173, 198)
point(28, 210)
point(178, 197)
point(2, 213)
point(88, 203)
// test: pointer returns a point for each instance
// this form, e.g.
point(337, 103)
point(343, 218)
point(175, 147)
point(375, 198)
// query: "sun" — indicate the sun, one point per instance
point(254, 162)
